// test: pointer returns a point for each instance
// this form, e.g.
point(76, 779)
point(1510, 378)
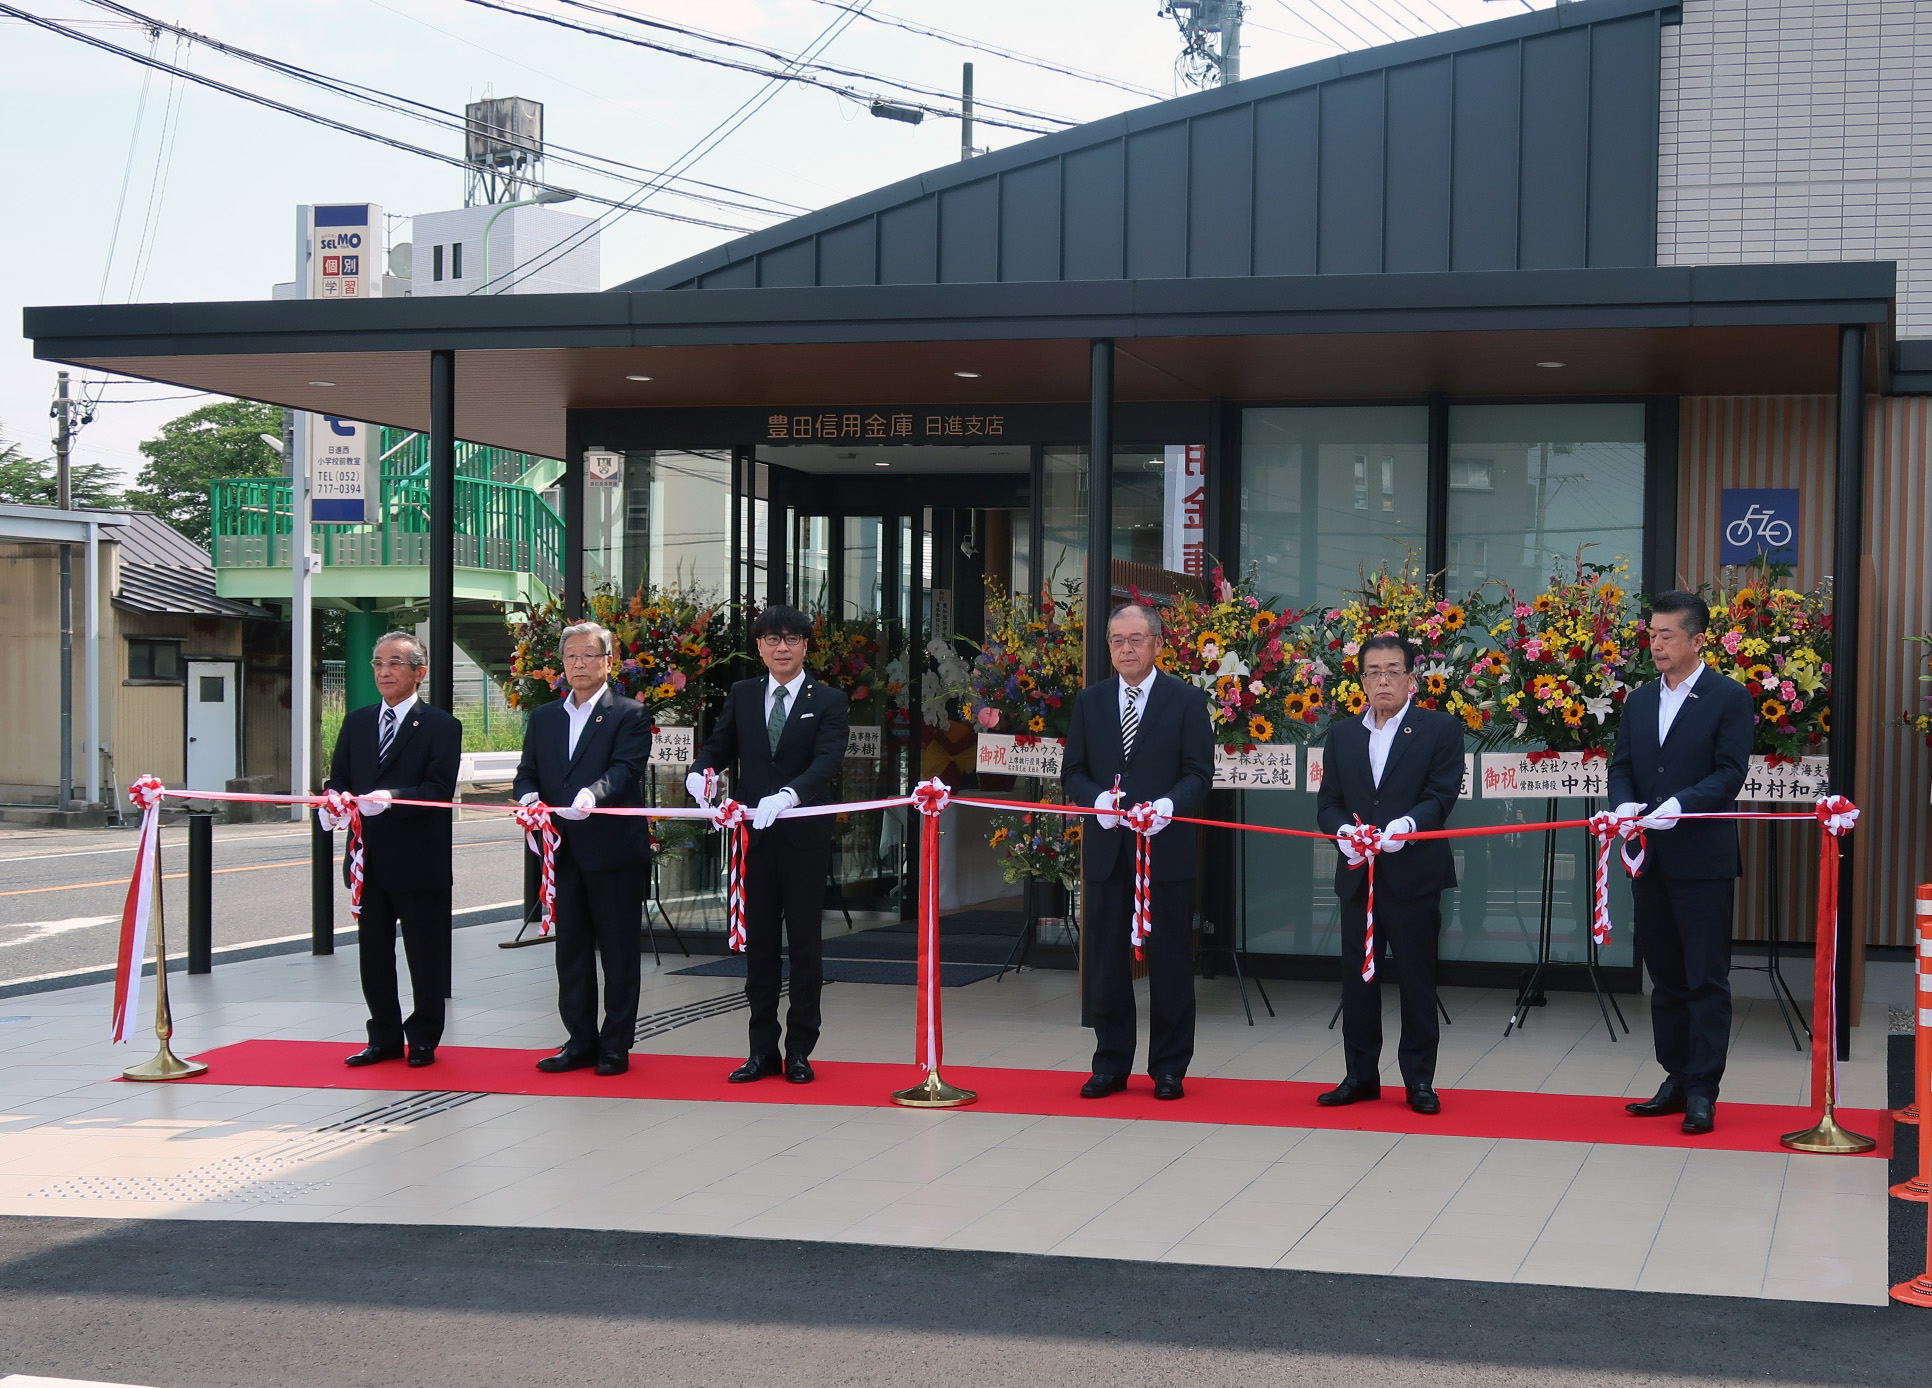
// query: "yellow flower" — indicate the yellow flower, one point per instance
point(1772, 710)
point(1226, 685)
point(1036, 724)
point(1435, 684)
point(1165, 660)
point(1355, 701)
point(1453, 619)
point(1260, 729)
point(1071, 833)
point(1263, 622)
point(664, 691)
point(1545, 603)
point(1573, 714)
point(1000, 836)
point(1759, 672)
point(1208, 645)
point(1473, 716)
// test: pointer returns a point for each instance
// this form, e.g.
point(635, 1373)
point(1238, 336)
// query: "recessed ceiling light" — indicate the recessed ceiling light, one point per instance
point(882, 465)
point(321, 383)
point(637, 378)
point(1551, 365)
point(968, 375)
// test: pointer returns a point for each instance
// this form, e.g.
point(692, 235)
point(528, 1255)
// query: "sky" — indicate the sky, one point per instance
point(127, 188)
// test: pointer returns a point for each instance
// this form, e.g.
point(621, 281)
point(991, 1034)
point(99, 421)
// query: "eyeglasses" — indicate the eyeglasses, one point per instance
point(582, 659)
point(1145, 638)
point(380, 665)
point(1369, 676)
point(782, 639)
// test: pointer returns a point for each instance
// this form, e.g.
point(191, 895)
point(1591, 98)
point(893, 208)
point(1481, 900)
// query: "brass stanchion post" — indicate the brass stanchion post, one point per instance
point(165, 1064)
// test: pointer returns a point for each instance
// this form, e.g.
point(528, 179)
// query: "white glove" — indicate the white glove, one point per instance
point(771, 807)
point(694, 786)
point(1629, 809)
point(374, 803)
point(1108, 800)
point(1349, 850)
point(328, 821)
point(529, 797)
point(1663, 817)
point(1163, 815)
point(579, 807)
point(1389, 843)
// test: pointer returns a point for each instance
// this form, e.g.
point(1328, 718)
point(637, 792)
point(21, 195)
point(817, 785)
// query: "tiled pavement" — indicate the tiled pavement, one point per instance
point(1734, 1223)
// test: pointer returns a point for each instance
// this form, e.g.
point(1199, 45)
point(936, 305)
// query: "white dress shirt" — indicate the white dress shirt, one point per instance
point(579, 716)
point(1670, 702)
point(1146, 687)
point(402, 712)
point(1382, 738)
point(791, 688)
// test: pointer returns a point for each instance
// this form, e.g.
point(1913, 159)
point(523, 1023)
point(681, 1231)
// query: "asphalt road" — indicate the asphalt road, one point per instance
point(258, 1305)
point(61, 891)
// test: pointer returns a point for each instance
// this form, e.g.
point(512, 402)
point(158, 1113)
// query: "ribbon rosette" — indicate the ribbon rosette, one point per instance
point(932, 797)
point(1141, 819)
point(146, 793)
point(733, 820)
point(1367, 841)
point(1836, 815)
point(540, 832)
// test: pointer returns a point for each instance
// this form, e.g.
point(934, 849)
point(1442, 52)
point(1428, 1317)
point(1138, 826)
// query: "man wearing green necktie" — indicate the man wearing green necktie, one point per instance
point(782, 739)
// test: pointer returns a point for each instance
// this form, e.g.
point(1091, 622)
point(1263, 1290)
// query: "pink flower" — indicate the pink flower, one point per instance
point(678, 680)
point(1533, 648)
point(639, 696)
point(1523, 609)
point(1254, 604)
point(1797, 705)
point(1352, 648)
point(1789, 690)
point(989, 717)
point(1732, 640)
point(1334, 614)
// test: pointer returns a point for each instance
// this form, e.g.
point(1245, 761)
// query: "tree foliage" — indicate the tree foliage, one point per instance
point(28, 481)
point(220, 440)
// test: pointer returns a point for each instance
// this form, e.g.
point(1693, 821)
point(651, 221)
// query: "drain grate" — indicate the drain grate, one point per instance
point(671, 1018)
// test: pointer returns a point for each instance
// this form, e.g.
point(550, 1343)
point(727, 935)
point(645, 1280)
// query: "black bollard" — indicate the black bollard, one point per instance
point(201, 896)
point(532, 885)
point(321, 889)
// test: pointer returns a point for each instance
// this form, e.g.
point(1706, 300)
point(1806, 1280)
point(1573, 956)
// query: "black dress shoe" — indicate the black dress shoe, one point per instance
point(755, 1068)
point(798, 1070)
point(370, 1055)
point(1668, 1099)
point(1168, 1087)
point(613, 1062)
point(566, 1059)
point(1700, 1115)
point(1424, 1099)
point(419, 1056)
point(1349, 1091)
point(1100, 1086)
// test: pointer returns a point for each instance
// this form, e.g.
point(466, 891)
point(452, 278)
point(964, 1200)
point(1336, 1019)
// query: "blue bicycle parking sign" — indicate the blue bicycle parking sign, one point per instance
point(1759, 522)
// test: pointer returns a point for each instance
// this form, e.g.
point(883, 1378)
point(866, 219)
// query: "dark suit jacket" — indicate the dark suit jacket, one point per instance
point(1421, 779)
point(611, 757)
point(404, 848)
point(1173, 758)
point(811, 749)
point(1703, 763)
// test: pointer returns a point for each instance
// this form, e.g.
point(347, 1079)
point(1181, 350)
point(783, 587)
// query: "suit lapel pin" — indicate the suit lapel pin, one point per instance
point(598, 719)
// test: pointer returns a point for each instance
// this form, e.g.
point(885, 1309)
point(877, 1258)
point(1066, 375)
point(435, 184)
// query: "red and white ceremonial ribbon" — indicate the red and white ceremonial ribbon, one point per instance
point(146, 794)
point(540, 832)
point(1836, 816)
point(346, 811)
point(1605, 825)
point(930, 798)
point(1141, 819)
point(734, 821)
point(1367, 840)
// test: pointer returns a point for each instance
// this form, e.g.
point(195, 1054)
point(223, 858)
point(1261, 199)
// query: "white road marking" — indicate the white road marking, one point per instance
point(33, 1381)
point(44, 930)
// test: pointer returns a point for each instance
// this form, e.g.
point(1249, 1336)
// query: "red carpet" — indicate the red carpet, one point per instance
point(1255, 1103)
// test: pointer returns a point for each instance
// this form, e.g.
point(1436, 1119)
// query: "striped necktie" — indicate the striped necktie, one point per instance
point(388, 734)
point(1129, 723)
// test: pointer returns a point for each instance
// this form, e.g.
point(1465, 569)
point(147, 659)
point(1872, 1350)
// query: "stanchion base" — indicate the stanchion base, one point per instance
point(1909, 1115)
point(1917, 1292)
point(934, 1092)
point(1828, 1139)
point(525, 944)
point(1914, 1189)
point(165, 1065)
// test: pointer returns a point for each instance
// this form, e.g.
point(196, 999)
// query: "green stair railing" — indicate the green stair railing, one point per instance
point(498, 526)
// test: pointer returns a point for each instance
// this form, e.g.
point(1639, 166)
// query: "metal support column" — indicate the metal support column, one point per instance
point(1098, 588)
point(1848, 557)
point(321, 889)
point(201, 879)
point(1435, 545)
point(442, 528)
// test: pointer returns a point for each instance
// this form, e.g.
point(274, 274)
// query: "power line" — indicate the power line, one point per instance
point(343, 127)
point(164, 167)
point(962, 41)
point(449, 120)
point(127, 171)
point(736, 65)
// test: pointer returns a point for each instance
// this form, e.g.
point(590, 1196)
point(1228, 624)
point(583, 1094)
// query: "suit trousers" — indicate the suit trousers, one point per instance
point(424, 918)
point(785, 897)
point(600, 918)
point(1410, 927)
point(1170, 973)
point(1683, 935)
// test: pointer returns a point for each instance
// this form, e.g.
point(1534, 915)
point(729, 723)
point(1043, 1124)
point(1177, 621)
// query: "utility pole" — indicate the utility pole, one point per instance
point(1204, 62)
point(63, 448)
point(966, 150)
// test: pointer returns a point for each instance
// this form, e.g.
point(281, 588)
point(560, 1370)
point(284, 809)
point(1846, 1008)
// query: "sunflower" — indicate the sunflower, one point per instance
point(1071, 833)
point(663, 691)
point(1545, 603)
point(1026, 683)
point(1759, 672)
point(1772, 711)
point(1226, 687)
point(1454, 619)
point(1165, 660)
point(1262, 623)
point(1473, 717)
point(1036, 724)
point(1355, 701)
point(1295, 705)
point(1824, 720)
point(1000, 836)
point(647, 661)
point(1207, 645)
point(1573, 714)
point(1260, 729)
point(1435, 684)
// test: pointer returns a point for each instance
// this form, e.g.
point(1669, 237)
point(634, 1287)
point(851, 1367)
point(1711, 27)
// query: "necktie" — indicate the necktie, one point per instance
point(775, 725)
point(388, 734)
point(1129, 723)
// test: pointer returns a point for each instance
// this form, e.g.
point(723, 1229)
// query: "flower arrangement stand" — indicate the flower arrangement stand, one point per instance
point(1207, 954)
point(1773, 911)
point(1531, 993)
point(1023, 946)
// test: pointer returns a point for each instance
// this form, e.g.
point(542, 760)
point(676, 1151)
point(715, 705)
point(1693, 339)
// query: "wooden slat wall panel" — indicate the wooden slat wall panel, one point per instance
point(1789, 441)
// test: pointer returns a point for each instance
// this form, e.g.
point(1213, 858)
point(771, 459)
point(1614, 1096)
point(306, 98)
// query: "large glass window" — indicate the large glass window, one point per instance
point(1139, 515)
point(1327, 493)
